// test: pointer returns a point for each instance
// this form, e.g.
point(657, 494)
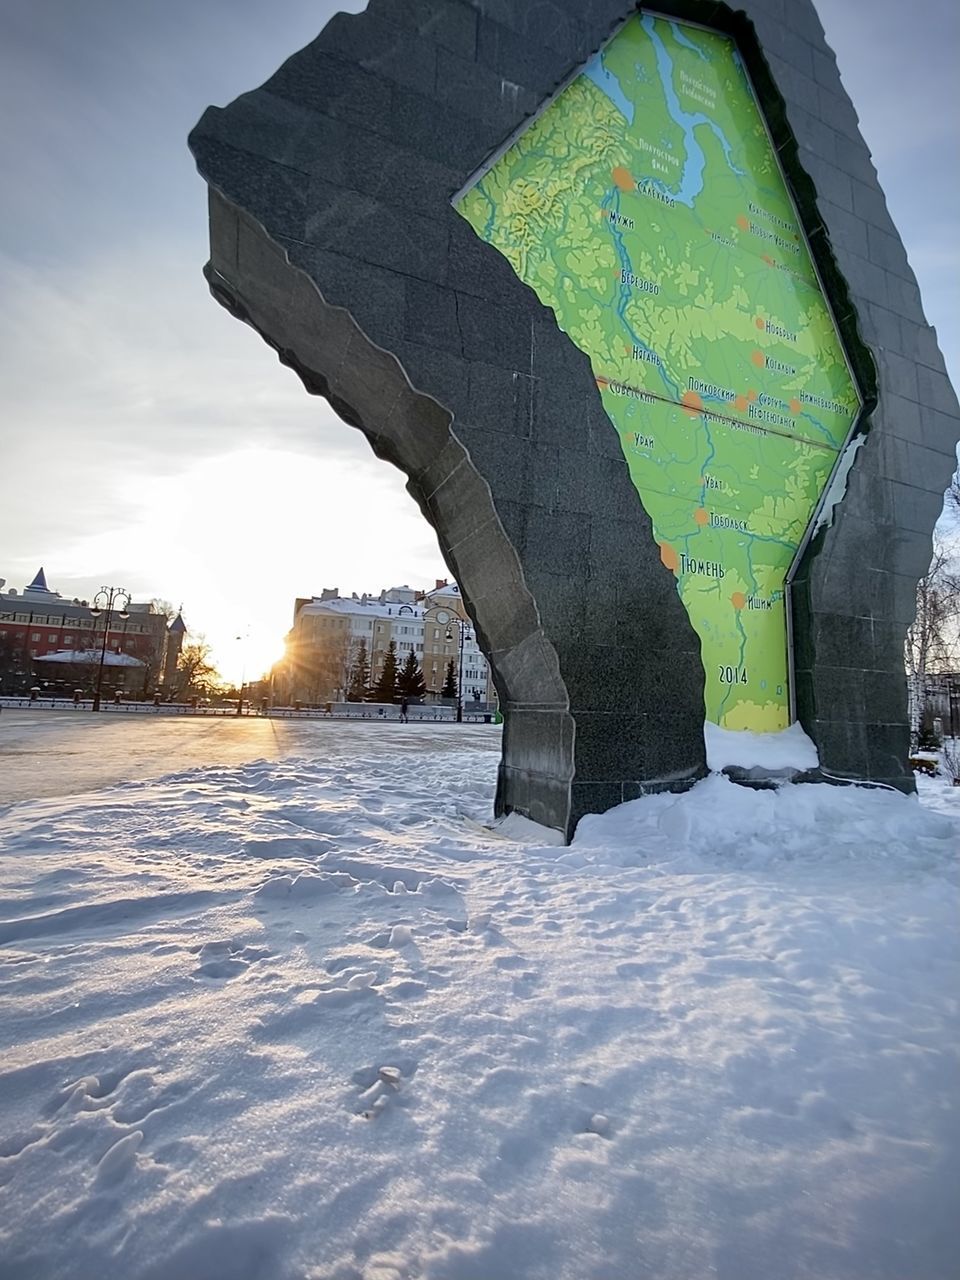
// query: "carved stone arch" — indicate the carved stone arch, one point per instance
point(332, 233)
point(368, 389)
point(367, 386)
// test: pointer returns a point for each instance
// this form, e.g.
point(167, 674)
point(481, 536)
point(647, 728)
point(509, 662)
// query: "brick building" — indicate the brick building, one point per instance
point(38, 623)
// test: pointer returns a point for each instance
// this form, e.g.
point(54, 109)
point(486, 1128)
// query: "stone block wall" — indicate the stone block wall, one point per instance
point(332, 233)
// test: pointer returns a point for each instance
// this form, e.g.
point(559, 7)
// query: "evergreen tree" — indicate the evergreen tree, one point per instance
point(359, 686)
point(927, 737)
point(385, 690)
point(449, 689)
point(411, 683)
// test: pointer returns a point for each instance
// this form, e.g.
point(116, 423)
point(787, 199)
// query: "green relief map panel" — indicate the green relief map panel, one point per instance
point(647, 208)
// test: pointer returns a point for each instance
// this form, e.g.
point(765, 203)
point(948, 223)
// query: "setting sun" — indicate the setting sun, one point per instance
point(237, 539)
point(252, 657)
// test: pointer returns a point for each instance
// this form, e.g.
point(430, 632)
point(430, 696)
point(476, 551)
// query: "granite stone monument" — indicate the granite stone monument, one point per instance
point(617, 289)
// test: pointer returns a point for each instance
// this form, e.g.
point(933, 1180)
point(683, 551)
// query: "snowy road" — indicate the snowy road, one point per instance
point(308, 1019)
point(62, 753)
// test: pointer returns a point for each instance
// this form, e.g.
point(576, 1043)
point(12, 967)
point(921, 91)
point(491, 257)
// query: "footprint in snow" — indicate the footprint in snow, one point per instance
point(598, 1124)
point(406, 989)
point(221, 961)
point(119, 1160)
point(381, 1086)
point(309, 1017)
point(401, 935)
point(91, 1093)
point(525, 984)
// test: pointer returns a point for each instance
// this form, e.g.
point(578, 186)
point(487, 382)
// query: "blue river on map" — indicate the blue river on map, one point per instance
point(691, 182)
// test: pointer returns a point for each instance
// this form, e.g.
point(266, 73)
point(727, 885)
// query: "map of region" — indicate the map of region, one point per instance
point(647, 208)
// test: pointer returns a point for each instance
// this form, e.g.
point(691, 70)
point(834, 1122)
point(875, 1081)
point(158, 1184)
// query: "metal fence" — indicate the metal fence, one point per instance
point(371, 712)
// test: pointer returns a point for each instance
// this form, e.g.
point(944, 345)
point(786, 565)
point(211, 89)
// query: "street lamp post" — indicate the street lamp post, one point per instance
point(243, 672)
point(104, 602)
point(461, 627)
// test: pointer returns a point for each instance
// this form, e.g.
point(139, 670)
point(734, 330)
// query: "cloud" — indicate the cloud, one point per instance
point(123, 368)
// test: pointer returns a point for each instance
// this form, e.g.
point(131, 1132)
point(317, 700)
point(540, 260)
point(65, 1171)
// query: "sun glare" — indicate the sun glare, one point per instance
point(251, 658)
point(237, 538)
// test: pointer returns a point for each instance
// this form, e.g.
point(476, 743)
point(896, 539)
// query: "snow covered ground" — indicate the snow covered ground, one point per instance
point(59, 753)
point(308, 1018)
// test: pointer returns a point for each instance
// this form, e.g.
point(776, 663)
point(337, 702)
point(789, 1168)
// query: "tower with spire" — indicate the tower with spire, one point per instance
point(175, 633)
point(38, 589)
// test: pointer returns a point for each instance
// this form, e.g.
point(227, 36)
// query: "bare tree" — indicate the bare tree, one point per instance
point(196, 675)
point(164, 608)
point(933, 639)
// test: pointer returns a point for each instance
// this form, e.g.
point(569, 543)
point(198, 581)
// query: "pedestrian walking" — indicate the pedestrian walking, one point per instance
point(404, 708)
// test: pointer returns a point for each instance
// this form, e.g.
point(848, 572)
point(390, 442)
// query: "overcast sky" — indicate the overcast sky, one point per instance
point(151, 441)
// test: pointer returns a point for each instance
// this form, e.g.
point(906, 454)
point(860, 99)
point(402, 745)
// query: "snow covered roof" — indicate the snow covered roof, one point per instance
point(91, 657)
point(382, 606)
point(372, 608)
point(447, 589)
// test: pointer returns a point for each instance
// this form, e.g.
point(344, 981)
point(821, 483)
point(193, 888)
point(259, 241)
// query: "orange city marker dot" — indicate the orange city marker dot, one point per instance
point(741, 403)
point(738, 600)
point(701, 516)
point(751, 395)
point(622, 179)
point(743, 222)
point(669, 557)
point(759, 359)
point(795, 406)
point(761, 323)
point(691, 403)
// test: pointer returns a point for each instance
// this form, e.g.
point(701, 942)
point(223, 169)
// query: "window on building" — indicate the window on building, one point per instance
point(35, 635)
